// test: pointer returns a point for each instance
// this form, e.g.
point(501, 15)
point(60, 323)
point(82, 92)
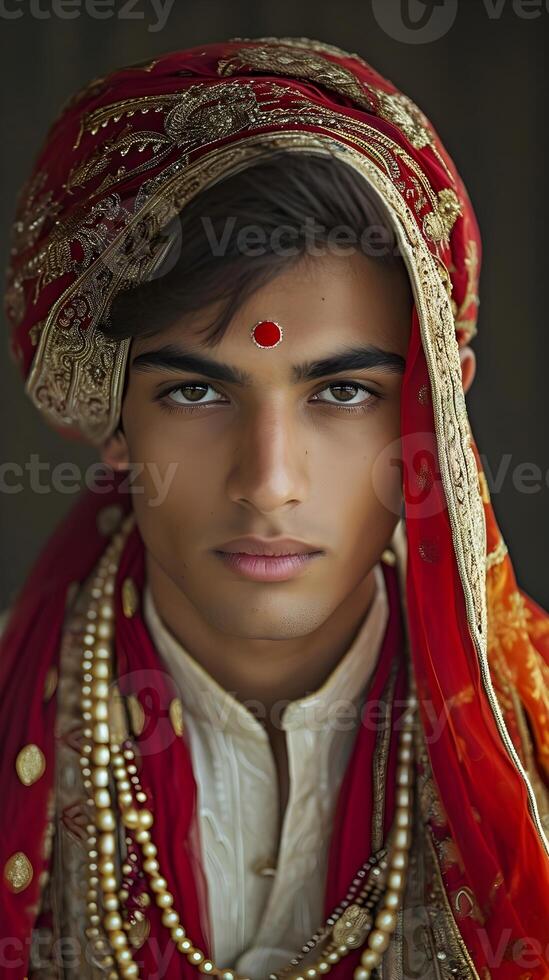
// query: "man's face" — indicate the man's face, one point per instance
point(275, 456)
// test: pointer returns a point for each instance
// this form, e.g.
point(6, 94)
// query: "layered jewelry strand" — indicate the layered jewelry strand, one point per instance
point(366, 917)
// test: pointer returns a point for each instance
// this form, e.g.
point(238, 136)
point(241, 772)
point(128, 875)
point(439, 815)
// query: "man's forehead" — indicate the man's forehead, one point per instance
point(321, 305)
point(302, 337)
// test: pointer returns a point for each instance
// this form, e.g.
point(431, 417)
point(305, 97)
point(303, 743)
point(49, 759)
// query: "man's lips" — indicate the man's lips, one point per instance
point(267, 559)
point(265, 568)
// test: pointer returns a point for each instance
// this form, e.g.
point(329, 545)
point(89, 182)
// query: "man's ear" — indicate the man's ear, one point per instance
point(115, 452)
point(468, 366)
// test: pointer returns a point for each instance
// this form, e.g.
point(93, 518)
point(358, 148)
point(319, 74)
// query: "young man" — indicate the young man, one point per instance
point(281, 683)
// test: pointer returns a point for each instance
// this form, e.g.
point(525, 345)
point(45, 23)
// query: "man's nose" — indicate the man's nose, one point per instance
point(270, 465)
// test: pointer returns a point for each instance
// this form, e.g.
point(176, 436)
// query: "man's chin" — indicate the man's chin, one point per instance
point(264, 617)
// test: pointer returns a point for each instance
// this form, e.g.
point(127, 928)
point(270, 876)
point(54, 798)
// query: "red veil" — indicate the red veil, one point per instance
point(120, 162)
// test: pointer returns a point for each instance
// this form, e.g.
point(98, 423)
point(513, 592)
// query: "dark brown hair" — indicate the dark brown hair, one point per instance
point(281, 197)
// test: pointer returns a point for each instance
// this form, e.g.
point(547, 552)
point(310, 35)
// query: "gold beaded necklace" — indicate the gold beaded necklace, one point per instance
point(366, 917)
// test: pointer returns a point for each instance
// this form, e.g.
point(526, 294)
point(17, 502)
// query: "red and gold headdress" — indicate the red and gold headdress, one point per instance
point(120, 163)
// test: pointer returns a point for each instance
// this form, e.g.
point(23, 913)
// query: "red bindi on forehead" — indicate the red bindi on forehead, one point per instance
point(267, 333)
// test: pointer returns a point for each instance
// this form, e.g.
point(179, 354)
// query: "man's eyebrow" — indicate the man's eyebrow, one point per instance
point(350, 359)
point(174, 358)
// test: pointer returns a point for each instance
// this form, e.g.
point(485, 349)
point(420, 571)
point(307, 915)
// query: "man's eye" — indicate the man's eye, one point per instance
point(190, 393)
point(349, 395)
point(349, 389)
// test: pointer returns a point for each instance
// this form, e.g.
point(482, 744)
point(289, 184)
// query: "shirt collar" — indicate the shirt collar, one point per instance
point(335, 702)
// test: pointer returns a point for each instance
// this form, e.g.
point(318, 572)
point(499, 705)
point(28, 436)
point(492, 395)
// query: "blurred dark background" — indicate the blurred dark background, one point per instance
point(483, 83)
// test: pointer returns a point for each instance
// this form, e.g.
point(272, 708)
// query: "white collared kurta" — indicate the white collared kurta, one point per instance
point(262, 905)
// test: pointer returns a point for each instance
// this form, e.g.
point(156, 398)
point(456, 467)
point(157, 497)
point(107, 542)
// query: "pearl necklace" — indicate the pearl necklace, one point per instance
point(365, 917)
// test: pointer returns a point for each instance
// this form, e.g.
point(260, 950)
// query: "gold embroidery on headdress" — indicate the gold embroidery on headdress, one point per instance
point(35, 208)
point(284, 60)
point(305, 42)
point(292, 56)
point(36, 205)
point(438, 225)
point(77, 371)
point(444, 275)
point(471, 295)
point(406, 115)
point(296, 61)
point(100, 118)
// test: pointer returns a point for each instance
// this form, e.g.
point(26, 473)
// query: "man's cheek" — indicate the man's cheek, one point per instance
point(161, 481)
point(386, 477)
